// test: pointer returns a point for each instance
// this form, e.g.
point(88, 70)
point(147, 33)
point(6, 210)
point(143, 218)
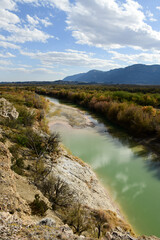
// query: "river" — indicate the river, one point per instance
point(123, 167)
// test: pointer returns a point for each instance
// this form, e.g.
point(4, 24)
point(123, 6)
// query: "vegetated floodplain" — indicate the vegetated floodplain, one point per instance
point(120, 107)
point(135, 109)
point(125, 169)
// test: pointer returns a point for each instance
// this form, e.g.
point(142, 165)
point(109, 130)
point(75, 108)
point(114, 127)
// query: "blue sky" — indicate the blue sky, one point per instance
point(47, 40)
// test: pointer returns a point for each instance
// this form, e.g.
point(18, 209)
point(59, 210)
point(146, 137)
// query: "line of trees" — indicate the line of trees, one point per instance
point(141, 121)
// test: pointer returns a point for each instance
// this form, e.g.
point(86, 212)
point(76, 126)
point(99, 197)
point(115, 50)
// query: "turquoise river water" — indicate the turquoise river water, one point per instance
point(124, 168)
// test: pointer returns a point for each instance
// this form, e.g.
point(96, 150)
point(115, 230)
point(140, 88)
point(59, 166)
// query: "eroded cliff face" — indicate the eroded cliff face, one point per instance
point(83, 182)
point(17, 192)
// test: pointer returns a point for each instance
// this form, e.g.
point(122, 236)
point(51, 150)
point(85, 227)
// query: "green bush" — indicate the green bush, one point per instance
point(18, 165)
point(38, 207)
point(37, 143)
point(11, 123)
point(26, 117)
point(17, 169)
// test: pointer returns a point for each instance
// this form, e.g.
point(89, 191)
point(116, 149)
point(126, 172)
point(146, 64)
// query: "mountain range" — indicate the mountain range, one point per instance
point(135, 74)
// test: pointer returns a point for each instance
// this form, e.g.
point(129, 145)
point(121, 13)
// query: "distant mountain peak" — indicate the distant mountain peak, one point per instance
point(134, 74)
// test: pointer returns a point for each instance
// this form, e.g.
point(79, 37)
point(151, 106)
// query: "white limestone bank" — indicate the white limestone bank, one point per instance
point(79, 175)
point(83, 182)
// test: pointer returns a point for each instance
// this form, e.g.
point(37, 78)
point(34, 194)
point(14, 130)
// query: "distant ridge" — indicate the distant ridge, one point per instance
point(136, 74)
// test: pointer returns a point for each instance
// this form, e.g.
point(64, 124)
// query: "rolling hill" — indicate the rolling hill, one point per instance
point(135, 74)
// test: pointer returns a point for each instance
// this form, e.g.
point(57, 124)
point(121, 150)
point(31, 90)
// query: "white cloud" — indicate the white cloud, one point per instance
point(45, 22)
point(7, 4)
point(26, 34)
point(5, 44)
point(144, 57)
point(7, 55)
point(36, 20)
point(8, 19)
point(71, 58)
point(61, 4)
point(150, 16)
point(109, 24)
point(18, 31)
point(158, 7)
point(34, 2)
point(32, 21)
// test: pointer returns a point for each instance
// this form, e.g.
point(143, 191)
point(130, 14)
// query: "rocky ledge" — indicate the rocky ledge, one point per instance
point(7, 110)
point(83, 182)
point(17, 192)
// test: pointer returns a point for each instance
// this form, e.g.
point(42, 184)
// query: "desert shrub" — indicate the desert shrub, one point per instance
point(14, 150)
point(38, 207)
point(78, 219)
point(17, 169)
point(11, 123)
point(41, 172)
point(39, 144)
point(18, 166)
point(40, 114)
point(36, 101)
point(100, 218)
point(44, 125)
point(26, 117)
point(21, 139)
point(58, 192)
point(20, 162)
point(104, 221)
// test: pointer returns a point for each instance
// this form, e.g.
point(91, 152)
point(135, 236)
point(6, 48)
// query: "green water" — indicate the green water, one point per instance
point(133, 179)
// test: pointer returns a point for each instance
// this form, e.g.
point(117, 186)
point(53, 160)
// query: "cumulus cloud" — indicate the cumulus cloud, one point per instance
point(6, 55)
point(7, 4)
point(144, 57)
point(61, 4)
point(32, 21)
point(109, 24)
point(36, 20)
point(71, 58)
point(150, 16)
point(5, 44)
point(18, 31)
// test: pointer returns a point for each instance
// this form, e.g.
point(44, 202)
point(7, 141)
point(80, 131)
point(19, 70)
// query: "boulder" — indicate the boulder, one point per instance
point(7, 110)
point(47, 222)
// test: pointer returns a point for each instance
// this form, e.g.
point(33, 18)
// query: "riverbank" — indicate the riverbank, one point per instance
point(27, 178)
point(136, 115)
point(124, 169)
point(59, 116)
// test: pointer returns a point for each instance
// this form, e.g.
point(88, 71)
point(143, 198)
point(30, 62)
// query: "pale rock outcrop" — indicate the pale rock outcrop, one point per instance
point(81, 179)
point(7, 110)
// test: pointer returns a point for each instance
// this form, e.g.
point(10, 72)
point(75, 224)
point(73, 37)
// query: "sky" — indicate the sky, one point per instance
point(46, 40)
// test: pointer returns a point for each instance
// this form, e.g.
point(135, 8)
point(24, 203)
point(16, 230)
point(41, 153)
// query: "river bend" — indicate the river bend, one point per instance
point(129, 173)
